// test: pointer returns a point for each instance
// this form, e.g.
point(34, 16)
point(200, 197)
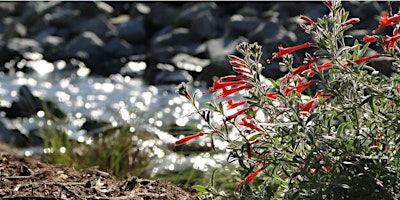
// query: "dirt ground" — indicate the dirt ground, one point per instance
point(29, 178)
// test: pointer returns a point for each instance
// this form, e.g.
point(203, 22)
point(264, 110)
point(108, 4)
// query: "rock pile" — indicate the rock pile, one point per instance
point(182, 41)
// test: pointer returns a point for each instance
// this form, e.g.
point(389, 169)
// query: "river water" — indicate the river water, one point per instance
point(118, 100)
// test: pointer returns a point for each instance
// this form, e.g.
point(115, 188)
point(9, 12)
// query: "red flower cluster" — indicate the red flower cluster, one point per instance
point(300, 88)
point(387, 21)
point(389, 42)
point(312, 70)
point(226, 83)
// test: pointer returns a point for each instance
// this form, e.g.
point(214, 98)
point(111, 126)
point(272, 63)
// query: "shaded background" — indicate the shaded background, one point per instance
point(171, 38)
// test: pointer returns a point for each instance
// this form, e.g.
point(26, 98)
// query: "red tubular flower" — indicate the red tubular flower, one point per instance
point(301, 88)
point(237, 63)
point(235, 115)
point(306, 108)
point(365, 59)
point(251, 176)
point(242, 70)
point(309, 72)
point(232, 104)
point(390, 42)
point(298, 89)
point(286, 78)
point(385, 21)
point(235, 58)
point(218, 84)
point(324, 66)
point(226, 92)
point(283, 51)
point(350, 21)
point(320, 93)
point(312, 69)
point(272, 95)
point(188, 138)
point(302, 67)
point(307, 19)
point(369, 38)
point(245, 122)
point(327, 4)
point(233, 77)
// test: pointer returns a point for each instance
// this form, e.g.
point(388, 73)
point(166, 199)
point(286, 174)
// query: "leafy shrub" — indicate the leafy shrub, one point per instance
point(338, 141)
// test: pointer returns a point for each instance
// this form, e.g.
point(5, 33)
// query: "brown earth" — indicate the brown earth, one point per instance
point(29, 178)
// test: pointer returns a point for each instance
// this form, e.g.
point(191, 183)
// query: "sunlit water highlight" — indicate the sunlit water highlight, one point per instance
point(119, 100)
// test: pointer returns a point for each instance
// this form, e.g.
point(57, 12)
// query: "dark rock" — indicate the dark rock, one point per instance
point(106, 66)
point(13, 28)
point(53, 47)
point(172, 77)
point(272, 70)
point(7, 8)
point(266, 32)
point(169, 42)
point(50, 31)
point(290, 9)
point(17, 48)
point(205, 26)
point(118, 47)
point(170, 36)
point(218, 50)
point(36, 10)
point(28, 105)
point(13, 137)
point(95, 127)
point(90, 9)
point(51, 42)
point(63, 18)
point(242, 25)
point(23, 45)
point(139, 9)
point(211, 72)
point(313, 10)
point(98, 25)
point(192, 10)
point(190, 63)
point(132, 31)
point(86, 46)
point(165, 54)
point(159, 12)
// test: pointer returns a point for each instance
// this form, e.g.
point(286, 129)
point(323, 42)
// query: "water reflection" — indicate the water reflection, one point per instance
point(118, 100)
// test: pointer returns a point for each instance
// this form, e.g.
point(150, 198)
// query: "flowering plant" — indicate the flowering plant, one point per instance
point(290, 141)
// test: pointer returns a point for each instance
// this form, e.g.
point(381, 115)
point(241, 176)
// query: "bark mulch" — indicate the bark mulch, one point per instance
point(29, 178)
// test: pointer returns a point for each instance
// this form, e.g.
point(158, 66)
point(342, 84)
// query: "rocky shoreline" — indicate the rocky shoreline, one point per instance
point(181, 41)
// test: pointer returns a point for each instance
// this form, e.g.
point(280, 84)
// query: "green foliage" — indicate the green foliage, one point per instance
point(114, 151)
